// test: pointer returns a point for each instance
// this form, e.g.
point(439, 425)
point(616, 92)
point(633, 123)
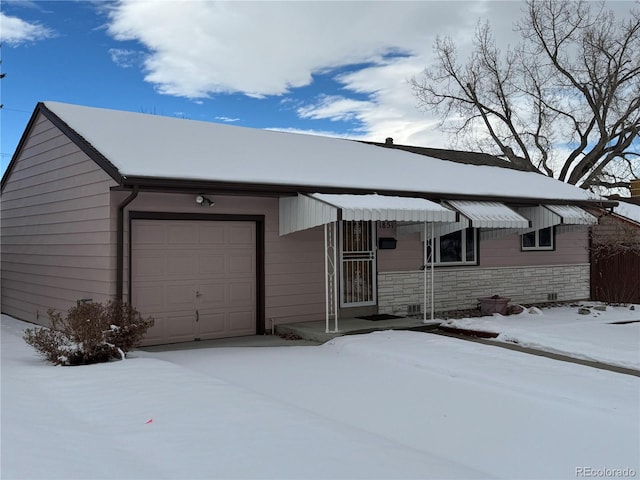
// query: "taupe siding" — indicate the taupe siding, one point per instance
point(294, 264)
point(612, 230)
point(571, 247)
point(408, 255)
point(57, 238)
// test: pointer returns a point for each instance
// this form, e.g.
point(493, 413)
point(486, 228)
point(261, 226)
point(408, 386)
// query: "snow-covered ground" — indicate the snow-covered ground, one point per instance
point(383, 405)
point(595, 336)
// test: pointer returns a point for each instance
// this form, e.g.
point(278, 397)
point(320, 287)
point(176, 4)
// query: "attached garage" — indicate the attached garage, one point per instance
point(196, 278)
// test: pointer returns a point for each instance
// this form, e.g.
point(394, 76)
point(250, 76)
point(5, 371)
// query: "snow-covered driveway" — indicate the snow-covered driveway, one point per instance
point(382, 405)
point(504, 413)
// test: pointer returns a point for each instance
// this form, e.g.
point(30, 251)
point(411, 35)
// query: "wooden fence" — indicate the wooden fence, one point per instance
point(615, 276)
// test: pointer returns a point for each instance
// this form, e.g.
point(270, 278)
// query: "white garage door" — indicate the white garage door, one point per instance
point(196, 278)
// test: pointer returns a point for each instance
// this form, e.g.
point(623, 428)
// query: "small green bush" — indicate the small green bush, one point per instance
point(90, 333)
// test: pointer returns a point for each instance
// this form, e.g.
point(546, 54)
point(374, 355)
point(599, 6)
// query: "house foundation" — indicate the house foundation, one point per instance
point(459, 288)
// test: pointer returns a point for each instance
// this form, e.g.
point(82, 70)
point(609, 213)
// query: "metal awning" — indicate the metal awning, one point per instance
point(571, 215)
point(489, 214)
point(545, 216)
point(307, 211)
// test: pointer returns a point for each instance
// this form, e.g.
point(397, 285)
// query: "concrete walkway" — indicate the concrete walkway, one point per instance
point(314, 333)
point(317, 331)
point(540, 353)
point(234, 342)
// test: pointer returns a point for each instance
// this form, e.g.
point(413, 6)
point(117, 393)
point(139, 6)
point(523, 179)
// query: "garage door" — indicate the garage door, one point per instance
point(196, 278)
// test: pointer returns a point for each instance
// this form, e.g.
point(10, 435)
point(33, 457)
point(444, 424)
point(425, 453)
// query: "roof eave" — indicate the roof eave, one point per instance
point(270, 189)
point(81, 143)
point(19, 147)
point(74, 136)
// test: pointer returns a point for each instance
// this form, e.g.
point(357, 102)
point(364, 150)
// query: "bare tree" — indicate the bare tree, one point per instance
point(564, 102)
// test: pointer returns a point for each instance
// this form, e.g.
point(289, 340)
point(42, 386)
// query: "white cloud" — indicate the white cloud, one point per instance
point(319, 133)
point(126, 58)
point(267, 48)
point(16, 31)
point(200, 49)
point(334, 108)
point(391, 109)
point(227, 119)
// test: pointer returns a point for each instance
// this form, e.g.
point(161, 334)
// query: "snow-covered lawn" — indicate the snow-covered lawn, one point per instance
point(596, 336)
point(383, 405)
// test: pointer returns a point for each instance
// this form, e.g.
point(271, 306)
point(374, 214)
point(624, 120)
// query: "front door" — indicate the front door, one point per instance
point(358, 264)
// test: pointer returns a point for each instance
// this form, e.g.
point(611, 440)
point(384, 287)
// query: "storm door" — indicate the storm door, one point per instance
point(358, 264)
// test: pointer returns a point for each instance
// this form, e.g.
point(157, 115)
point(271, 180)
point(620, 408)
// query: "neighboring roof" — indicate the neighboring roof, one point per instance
point(140, 147)
point(458, 156)
point(628, 210)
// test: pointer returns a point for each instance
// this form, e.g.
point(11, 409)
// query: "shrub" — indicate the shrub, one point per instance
point(90, 333)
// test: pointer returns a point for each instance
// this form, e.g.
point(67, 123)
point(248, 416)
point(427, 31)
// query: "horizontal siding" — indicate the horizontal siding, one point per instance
point(75, 276)
point(80, 251)
point(69, 216)
point(55, 230)
point(48, 259)
point(614, 231)
point(294, 264)
point(66, 158)
point(66, 193)
point(570, 248)
point(36, 299)
point(68, 239)
point(408, 254)
point(57, 235)
point(74, 280)
point(275, 291)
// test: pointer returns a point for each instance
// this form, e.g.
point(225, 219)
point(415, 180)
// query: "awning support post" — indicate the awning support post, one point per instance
point(330, 277)
point(424, 275)
point(433, 245)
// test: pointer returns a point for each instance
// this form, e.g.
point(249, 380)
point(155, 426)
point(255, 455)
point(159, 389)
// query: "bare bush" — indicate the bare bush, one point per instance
point(89, 333)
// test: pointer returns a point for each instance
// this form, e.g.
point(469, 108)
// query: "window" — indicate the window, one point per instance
point(538, 239)
point(457, 248)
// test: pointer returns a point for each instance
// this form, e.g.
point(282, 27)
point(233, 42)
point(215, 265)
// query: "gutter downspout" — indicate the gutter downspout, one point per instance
point(120, 243)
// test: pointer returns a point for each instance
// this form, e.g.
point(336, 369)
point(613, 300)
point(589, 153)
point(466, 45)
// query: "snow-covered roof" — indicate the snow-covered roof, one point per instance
point(628, 210)
point(142, 145)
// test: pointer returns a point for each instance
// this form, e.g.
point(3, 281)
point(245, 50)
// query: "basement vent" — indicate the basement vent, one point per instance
point(552, 296)
point(414, 309)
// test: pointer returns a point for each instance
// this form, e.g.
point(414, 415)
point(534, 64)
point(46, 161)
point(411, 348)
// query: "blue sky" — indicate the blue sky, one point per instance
point(335, 68)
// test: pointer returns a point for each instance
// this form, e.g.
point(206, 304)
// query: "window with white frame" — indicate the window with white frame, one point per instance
point(538, 240)
point(456, 248)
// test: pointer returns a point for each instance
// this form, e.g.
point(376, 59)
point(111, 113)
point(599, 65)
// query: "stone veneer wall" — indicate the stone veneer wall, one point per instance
point(459, 288)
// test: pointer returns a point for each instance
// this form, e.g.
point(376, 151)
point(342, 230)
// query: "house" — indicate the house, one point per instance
point(221, 231)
